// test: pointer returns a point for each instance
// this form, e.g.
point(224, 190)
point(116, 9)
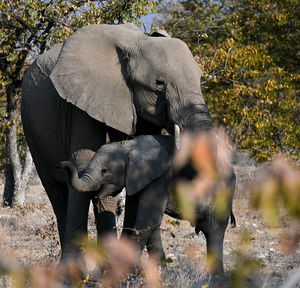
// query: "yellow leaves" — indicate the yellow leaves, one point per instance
point(269, 101)
point(197, 59)
point(228, 44)
point(254, 89)
point(271, 85)
point(174, 222)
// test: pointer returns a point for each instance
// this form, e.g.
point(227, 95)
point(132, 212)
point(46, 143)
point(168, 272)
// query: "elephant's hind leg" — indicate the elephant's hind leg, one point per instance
point(214, 244)
point(154, 245)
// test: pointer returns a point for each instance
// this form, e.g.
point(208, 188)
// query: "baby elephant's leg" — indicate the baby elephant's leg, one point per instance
point(104, 210)
point(151, 206)
point(131, 204)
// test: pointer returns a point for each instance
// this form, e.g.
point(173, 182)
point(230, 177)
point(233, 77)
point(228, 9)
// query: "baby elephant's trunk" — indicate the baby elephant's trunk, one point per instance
point(85, 183)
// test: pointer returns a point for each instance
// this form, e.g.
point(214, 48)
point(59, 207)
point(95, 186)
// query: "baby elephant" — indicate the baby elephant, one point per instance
point(143, 166)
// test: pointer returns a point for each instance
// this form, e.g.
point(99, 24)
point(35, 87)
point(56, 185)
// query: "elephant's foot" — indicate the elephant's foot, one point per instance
point(72, 251)
point(219, 279)
point(71, 271)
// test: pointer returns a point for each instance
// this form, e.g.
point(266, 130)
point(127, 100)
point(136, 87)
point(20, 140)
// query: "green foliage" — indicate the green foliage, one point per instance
point(29, 27)
point(249, 54)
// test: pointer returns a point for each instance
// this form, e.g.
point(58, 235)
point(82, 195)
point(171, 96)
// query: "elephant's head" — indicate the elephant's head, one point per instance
point(132, 164)
point(114, 72)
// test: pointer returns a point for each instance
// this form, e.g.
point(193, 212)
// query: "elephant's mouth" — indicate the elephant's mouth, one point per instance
point(109, 190)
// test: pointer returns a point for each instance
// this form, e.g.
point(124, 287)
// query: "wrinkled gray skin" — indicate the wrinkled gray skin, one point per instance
point(143, 166)
point(104, 79)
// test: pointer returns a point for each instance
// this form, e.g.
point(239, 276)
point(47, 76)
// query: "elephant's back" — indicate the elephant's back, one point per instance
point(40, 100)
point(37, 75)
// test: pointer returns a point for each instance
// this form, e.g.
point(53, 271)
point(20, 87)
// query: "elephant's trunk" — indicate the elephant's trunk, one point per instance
point(198, 118)
point(85, 183)
point(191, 113)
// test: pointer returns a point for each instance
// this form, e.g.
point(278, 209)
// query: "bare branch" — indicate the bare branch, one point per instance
point(228, 52)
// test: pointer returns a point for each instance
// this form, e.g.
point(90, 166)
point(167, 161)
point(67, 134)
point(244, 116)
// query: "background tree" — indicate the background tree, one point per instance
point(249, 54)
point(28, 28)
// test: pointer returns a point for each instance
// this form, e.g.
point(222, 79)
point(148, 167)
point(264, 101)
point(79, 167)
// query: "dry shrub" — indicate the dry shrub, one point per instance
point(46, 277)
point(210, 155)
point(245, 264)
point(152, 272)
point(278, 188)
point(116, 258)
point(289, 238)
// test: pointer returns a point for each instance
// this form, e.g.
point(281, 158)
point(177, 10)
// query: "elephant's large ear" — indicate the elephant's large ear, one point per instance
point(91, 73)
point(160, 33)
point(148, 159)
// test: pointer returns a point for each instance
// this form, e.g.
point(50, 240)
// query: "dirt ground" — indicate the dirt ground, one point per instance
point(30, 234)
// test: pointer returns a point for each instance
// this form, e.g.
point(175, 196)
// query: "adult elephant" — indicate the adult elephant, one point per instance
point(104, 79)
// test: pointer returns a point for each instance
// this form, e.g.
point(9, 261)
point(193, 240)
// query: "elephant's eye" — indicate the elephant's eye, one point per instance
point(103, 171)
point(160, 84)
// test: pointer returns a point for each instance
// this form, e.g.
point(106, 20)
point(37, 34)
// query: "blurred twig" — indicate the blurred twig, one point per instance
point(293, 279)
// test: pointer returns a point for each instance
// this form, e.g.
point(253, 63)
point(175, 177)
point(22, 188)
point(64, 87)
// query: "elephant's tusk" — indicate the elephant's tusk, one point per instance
point(177, 136)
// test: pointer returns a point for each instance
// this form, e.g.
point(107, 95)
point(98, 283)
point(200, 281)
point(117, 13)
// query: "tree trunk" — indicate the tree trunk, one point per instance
point(9, 184)
point(17, 173)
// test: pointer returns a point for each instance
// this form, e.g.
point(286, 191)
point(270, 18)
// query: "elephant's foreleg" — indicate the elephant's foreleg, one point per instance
point(104, 210)
point(131, 204)
point(152, 204)
point(76, 224)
